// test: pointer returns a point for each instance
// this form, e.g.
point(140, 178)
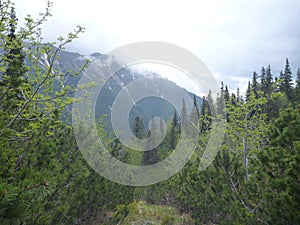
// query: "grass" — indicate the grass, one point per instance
point(141, 213)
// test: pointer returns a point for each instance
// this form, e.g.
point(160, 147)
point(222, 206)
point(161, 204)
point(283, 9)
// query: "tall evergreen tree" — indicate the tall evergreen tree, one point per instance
point(161, 126)
point(238, 96)
point(184, 116)
point(234, 100)
point(138, 128)
point(222, 88)
point(194, 117)
point(174, 131)
point(226, 94)
point(14, 67)
point(152, 134)
point(255, 86)
point(297, 88)
point(269, 81)
point(298, 78)
point(277, 84)
point(263, 80)
point(205, 115)
point(150, 157)
point(286, 81)
point(248, 92)
point(220, 104)
point(211, 103)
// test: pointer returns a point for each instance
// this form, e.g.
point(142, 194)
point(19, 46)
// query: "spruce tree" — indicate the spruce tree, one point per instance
point(14, 67)
point(150, 157)
point(263, 80)
point(248, 92)
point(255, 86)
point(161, 126)
point(286, 81)
point(220, 100)
point(297, 88)
point(211, 103)
point(233, 99)
point(222, 88)
point(226, 94)
point(184, 116)
point(204, 106)
point(220, 104)
point(194, 117)
point(269, 81)
point(238, 96)
point(174, 131)
point(138, 128)
point(298, 78)
point(205, 116)
point(281, 81)
point(14, 57)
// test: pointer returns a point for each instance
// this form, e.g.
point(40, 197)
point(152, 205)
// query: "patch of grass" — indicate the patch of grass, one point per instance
point(141, 213)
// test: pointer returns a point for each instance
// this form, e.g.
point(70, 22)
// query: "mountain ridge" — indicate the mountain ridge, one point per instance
point(73, 61)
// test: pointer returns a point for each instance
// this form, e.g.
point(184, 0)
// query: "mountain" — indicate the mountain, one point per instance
point(146, 108)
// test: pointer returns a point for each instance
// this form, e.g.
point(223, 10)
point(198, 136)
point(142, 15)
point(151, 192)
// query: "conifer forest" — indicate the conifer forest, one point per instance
point(44, 179)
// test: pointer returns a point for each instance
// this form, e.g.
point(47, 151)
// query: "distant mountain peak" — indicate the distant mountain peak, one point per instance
point(96, 54)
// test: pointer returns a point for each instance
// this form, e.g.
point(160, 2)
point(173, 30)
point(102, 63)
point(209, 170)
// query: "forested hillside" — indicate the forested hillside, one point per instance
point(255, 178)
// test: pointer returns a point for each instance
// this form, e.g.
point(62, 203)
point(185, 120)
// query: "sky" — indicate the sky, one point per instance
point(232, 37)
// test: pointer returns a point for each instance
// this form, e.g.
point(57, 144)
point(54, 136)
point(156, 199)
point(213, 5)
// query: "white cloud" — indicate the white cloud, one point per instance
point(231, 37)
point(172, 74)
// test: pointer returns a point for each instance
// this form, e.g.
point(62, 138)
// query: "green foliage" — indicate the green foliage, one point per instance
point(206, 115)
point(151, 157)
point(143, 213)
point(174, 135)
point(286, 81)
point(297, 88)
point(255, 177)
point(43, 177)
point(45, 180)
point(194, 117)
point(278, 171)
point(184, 116)
point(139, 128)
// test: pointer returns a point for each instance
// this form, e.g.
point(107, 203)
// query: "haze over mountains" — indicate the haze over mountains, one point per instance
point(146, 108)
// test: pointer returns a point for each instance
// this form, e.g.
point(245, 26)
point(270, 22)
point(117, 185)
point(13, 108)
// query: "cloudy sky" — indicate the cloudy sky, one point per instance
point(232, 37)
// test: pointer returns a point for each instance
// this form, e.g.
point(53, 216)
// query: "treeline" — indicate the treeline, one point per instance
point(161, 138)
point(255, 177)
point(44, 180)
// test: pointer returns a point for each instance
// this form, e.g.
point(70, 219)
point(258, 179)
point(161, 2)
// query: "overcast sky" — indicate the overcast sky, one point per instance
point(232, 37)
